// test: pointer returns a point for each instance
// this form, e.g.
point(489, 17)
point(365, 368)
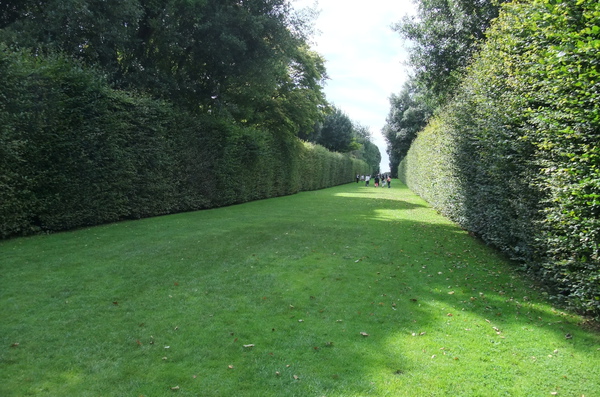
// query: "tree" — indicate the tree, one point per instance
point(226, 57)
point(368, 151)
point(298, 102)
point(409, 113)
point(336, 133)
point(444, 35)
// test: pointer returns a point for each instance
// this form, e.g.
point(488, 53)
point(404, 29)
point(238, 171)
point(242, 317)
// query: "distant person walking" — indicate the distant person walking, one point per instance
point(367, 178)
point(376, 180)
point(389, 181)
point(357, 178)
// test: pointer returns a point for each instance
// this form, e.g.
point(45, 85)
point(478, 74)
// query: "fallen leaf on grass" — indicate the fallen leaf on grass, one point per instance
point(296, 377)
point(250, 345)
point(16, 344)
point(175, 388)
point(364, 334)
point(230, 366)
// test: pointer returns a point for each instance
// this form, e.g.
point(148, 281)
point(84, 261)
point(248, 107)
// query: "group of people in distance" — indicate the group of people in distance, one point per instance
point(379, 179)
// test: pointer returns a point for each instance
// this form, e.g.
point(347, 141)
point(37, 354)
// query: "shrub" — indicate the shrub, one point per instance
point(514, 156)
point(75, 152)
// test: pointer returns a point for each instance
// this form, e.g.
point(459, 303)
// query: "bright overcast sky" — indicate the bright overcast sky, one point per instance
point(364, 58)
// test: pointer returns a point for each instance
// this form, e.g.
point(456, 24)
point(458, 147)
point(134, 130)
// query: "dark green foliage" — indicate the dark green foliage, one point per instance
point(371, 155)
point(134, 108)
point(561, 59)
point(408, 115)
point(336, 132)
point(340, 134)
point(245, 60)
point(443, 36)
point(75, 152)
point(514, 156)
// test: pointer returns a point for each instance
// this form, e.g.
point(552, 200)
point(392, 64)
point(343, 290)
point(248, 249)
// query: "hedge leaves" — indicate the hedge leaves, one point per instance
point(515, 156)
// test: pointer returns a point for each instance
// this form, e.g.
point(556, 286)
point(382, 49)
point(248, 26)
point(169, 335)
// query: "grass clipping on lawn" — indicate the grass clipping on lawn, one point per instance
point(348, 291)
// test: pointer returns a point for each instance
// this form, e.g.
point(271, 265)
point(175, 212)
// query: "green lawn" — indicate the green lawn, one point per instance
point(270, 298)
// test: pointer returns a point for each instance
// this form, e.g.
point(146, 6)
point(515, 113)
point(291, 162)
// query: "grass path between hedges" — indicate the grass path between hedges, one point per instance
point(348, 291)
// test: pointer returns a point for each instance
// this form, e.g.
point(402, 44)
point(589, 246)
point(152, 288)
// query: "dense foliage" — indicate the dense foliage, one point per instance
point(443, 36)
point(338, 133)
point(132, 108)
point(242, 59)
point(365, 149)
point(408, 115)
point(74, 152)
point(514, 156)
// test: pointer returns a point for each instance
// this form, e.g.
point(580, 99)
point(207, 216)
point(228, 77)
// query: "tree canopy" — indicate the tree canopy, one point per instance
point(247, 60)
point(408, 115)
point(443, 37)
point(338, 133)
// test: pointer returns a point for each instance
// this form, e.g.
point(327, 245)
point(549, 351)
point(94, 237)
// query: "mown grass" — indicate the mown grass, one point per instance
point(164, 306)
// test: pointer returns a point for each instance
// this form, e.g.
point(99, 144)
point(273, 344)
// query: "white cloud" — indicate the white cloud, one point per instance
point(364, 58)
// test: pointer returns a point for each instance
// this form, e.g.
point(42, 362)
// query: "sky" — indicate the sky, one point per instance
point(365, 58)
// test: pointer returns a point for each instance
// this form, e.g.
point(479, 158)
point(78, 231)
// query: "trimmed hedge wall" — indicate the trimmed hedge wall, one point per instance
point(514, 157)
point(74, 153)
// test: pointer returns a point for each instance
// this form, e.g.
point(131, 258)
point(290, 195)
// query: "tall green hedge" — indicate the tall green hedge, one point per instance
point(515, 157)
point(74, 153)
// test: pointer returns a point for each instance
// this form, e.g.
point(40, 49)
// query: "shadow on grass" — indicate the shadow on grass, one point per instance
point(458, 285)
point(424, 284)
